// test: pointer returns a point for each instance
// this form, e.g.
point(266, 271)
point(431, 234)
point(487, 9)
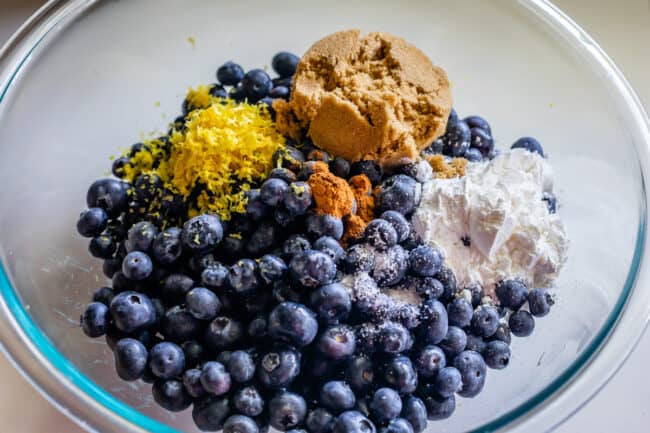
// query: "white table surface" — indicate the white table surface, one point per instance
point(623, 29)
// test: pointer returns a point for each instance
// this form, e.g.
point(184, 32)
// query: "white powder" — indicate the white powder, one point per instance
point(498, 207)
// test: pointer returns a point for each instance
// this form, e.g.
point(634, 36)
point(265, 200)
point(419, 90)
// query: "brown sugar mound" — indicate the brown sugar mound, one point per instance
point(372, 97)
point(444, 170)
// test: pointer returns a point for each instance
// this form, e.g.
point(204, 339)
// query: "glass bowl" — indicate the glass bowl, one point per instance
point(83, 79)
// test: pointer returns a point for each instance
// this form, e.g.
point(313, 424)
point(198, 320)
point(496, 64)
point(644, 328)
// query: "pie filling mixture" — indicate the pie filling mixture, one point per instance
point(333, 250)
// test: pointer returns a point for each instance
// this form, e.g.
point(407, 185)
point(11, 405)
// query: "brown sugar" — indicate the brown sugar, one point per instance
point(444, 170)
point(372, 97)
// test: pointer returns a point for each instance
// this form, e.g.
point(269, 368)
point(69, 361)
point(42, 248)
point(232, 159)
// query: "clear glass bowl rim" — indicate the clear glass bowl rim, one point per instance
point(77, 396)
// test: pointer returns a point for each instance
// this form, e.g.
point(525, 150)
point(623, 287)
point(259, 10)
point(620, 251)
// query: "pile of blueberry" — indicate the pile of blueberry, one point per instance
point(247, 321)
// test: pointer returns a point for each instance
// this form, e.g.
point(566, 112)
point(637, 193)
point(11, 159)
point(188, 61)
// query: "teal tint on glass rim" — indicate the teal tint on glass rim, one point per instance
point(83, 79)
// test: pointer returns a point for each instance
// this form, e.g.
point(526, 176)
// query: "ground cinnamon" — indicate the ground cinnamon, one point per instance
point(332, 195)
point(356, 224)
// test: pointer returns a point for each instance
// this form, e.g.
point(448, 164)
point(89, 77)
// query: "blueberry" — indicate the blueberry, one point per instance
point(230, 73)
point(448, 279)
point(337, 396)
point(353, 421)
point(292, 323)
point(460, 312)
point(256, 84)
point(340, 167)
point(472, 371)
point(111, 266)
point(271, 268)
point(210, 413)
point(175, 287)
point(435, 322)
point(312, 268)
point(288, 157)
point(478, 122)
point(551, 201)
point(399, 223)
point(273, 190)
point(278, 368)
point(110, 195)
point(279, 92)
point(137, 266)
point(439, 408)
point(130, 359)
point(398, 425)
point(359, 258)
point(426, 287)
point(496, 354)
point(385, 405)
point(215, 379)
point(331, 302)
point(141, 236)
point(240, 424)
point(256, 328)
point(390, 267)
point(400, 375)
point(502, 334)
point(481, 140)
point(104, 295)
point(380, 234)
point(330, 246)
point(241, 366)
point(521, 323)
point(530, 144)
point(171, 395)
point(456, 139)
point(360, 373)
point(473, 155)
point(223, 333)
point(512, 294)
point(287, 410)
point(415, 412)
point(132, 311)
point(166, 360)
point(256, 209)
point(117, 167)
point(94, 320)
point(540, 302)
point(192, 383)
point(485, 321)
point(285, 64)
point(320, 420)
point(92, 222)
point(102, 246)
point(447, 382)
point(454, 342)
point(337, 342)
point(167, 247)
point(192, 352)
point(248, 401)
point(394, 338)
point(425, 261)
point(242, 277)
point(324, 225)
point(429, 360)
point(215, 276)
point(179, 325)
point(202, 303)
point(202, 233)
point(475, 343)
point(295, 244)
point(217, 91)
point(369, 168)
point(400, 193)
point(298, 198)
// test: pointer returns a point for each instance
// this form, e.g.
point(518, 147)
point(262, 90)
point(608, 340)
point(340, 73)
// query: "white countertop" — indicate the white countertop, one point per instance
point(623, 29)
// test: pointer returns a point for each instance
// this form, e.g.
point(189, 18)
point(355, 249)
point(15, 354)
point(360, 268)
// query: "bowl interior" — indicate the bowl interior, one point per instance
point(112, 72)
